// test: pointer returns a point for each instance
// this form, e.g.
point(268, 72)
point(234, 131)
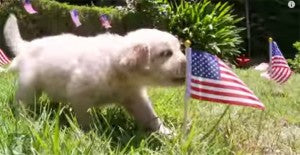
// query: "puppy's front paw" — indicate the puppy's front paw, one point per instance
point(164, 130)
point(157, 125)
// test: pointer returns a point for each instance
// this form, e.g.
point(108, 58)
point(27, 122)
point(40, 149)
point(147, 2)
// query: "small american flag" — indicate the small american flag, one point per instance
point(105, 21)
point(28, 7)
point(75, 17)
point(211, 79)
point(3, 58)
point(279, 70)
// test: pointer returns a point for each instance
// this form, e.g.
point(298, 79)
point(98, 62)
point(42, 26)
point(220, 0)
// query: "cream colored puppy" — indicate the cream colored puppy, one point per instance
point(93, 71)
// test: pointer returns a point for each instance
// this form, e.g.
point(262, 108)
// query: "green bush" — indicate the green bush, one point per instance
point(156, 10)
point(96, 2)
point(297, 45)
point(54, 18)
point(210, 27)
point(295, 63)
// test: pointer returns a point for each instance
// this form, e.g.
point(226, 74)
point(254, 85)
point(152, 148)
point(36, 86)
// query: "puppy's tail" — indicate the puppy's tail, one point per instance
point(12, 35)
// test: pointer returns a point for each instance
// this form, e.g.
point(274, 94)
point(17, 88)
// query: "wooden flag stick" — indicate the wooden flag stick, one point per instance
point(187, 45)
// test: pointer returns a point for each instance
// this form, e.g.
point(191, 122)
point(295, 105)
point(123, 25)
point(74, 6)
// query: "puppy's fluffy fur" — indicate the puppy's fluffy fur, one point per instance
point(92, 71)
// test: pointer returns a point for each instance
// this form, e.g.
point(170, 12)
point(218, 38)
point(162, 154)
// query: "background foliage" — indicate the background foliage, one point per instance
point(267, 19)
point(206, 32)
point(274, 19)
point(96, 2)
point(295, 63)
point(210, 27)
point(54, 18)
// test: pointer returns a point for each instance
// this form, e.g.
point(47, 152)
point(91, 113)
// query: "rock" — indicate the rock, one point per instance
point(262, 67)
point(265, 75)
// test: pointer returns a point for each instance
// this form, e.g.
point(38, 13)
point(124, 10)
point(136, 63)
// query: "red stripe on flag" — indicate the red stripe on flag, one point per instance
point(3, 58)
point(279, 62)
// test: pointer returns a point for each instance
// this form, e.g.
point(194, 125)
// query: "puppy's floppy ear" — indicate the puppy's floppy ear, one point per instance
point(138, 56)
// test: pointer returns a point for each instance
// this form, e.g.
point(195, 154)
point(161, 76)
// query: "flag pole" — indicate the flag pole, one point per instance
point(187, 45)
point(270, 51)
point(248, 27)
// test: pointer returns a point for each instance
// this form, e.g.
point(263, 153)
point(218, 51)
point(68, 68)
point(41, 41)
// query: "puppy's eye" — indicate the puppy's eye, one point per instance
point(166, 53)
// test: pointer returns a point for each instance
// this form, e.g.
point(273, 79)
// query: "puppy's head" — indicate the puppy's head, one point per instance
point(154, 57)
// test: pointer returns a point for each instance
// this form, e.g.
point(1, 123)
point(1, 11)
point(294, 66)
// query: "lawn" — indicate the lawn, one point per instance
point(242, 130)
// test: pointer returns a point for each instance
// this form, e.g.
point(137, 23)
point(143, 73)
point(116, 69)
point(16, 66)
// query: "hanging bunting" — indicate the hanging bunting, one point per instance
point(28, 7)
point(75, 17)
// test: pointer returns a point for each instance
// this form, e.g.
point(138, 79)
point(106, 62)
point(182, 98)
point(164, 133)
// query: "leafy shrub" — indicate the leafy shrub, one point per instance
point(297, 45)
point(54, 18)
point(210, 27)
point(96, 2)
point(156, 11)
point(295, 63)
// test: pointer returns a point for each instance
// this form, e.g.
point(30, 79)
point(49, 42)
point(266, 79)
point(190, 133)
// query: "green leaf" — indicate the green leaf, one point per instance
point(209, 26)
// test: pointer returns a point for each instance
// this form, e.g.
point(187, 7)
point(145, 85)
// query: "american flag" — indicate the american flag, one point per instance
point(211, 79)
point(279, 70)
point(75, 17)
point(28, 7)
point(105, 21)
point(3, 58)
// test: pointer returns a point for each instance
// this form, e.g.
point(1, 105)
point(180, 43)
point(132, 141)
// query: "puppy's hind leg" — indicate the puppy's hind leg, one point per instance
point(81, 106)
point(26, 92)
point(139, 105)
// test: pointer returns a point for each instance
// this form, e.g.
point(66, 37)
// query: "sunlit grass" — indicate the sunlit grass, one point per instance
point(242, 130)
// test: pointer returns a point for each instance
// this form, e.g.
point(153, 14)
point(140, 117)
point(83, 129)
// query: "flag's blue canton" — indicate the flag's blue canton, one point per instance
point(205, 65)
point(76, 13)
point(104, 17)
point(275, 50)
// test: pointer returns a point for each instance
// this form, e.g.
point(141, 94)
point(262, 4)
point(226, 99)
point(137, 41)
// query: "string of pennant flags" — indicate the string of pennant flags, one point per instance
point(28, 7)
point(104, 18)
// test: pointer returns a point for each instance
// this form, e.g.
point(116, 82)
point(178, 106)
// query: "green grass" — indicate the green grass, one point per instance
point(241, 131)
